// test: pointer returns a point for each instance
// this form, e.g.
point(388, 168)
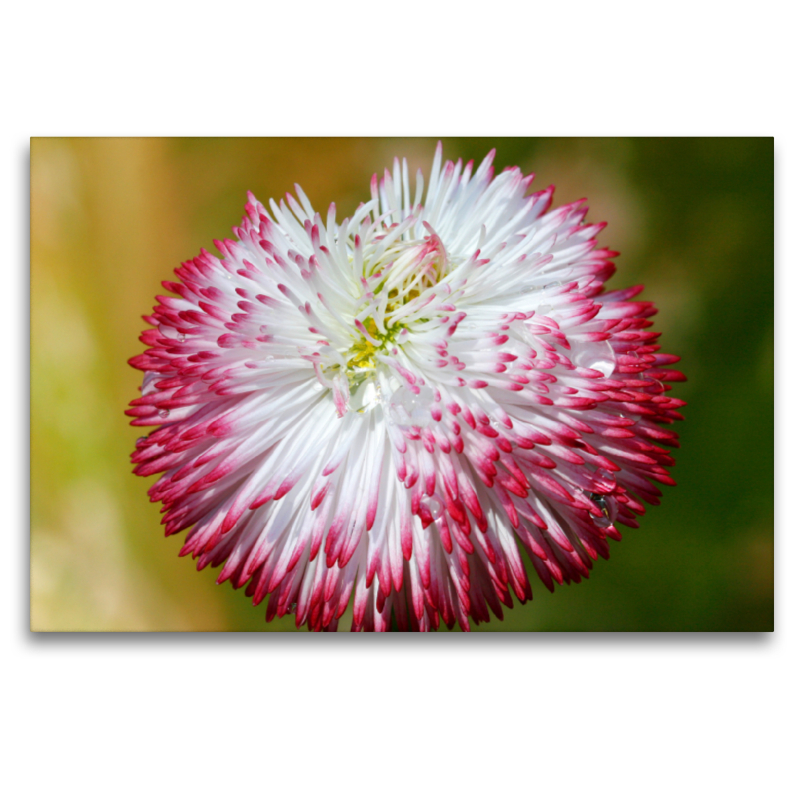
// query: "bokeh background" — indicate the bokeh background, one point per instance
point(111, 219)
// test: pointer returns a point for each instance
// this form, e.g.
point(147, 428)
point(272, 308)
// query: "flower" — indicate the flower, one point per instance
point(395, 406)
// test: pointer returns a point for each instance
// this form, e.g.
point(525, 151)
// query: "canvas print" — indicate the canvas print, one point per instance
point(390, 385)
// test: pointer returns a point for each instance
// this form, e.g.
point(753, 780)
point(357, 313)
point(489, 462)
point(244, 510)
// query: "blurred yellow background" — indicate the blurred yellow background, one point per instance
point(111, 218)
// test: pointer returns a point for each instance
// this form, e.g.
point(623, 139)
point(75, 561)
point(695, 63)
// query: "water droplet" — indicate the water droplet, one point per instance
point(365, 396)
point(608, 505)
point(544, 309)
point(553, 285)
point(607, 484)
point(181, 337)
point(140, 441)
point(405, 406)
point(163, 413)
point(436, 506)
point(148, 384)
point(409, 402)
point(397, 412)
point(291, 608)
point(422, 401)
point(497, 421)
point(595, 355)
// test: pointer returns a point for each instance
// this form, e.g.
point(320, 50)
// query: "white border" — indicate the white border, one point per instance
point(611, 716)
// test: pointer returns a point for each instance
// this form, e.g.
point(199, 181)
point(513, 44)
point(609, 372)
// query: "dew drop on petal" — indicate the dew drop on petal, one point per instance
point(544, 309)
point(406, 406)
point(148, 383)
point(553, 285)
point(367, 396)
point(181, 337)
point(496, 421)
point(397, 414)
point(422, 403)
point(605, 473)
point(608, 505)
point(436, 506)
point(140, 441)
point(595, 355)
point(397, 408)
point(409, 402)
point(163, 413)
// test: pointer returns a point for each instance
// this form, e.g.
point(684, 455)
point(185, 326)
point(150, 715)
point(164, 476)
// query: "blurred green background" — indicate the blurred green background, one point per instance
point(111, 218)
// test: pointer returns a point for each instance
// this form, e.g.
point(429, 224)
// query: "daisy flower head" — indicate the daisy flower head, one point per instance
point(392, 408)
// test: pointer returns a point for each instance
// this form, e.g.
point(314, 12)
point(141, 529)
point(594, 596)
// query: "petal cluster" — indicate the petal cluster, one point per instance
point(391, 409)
